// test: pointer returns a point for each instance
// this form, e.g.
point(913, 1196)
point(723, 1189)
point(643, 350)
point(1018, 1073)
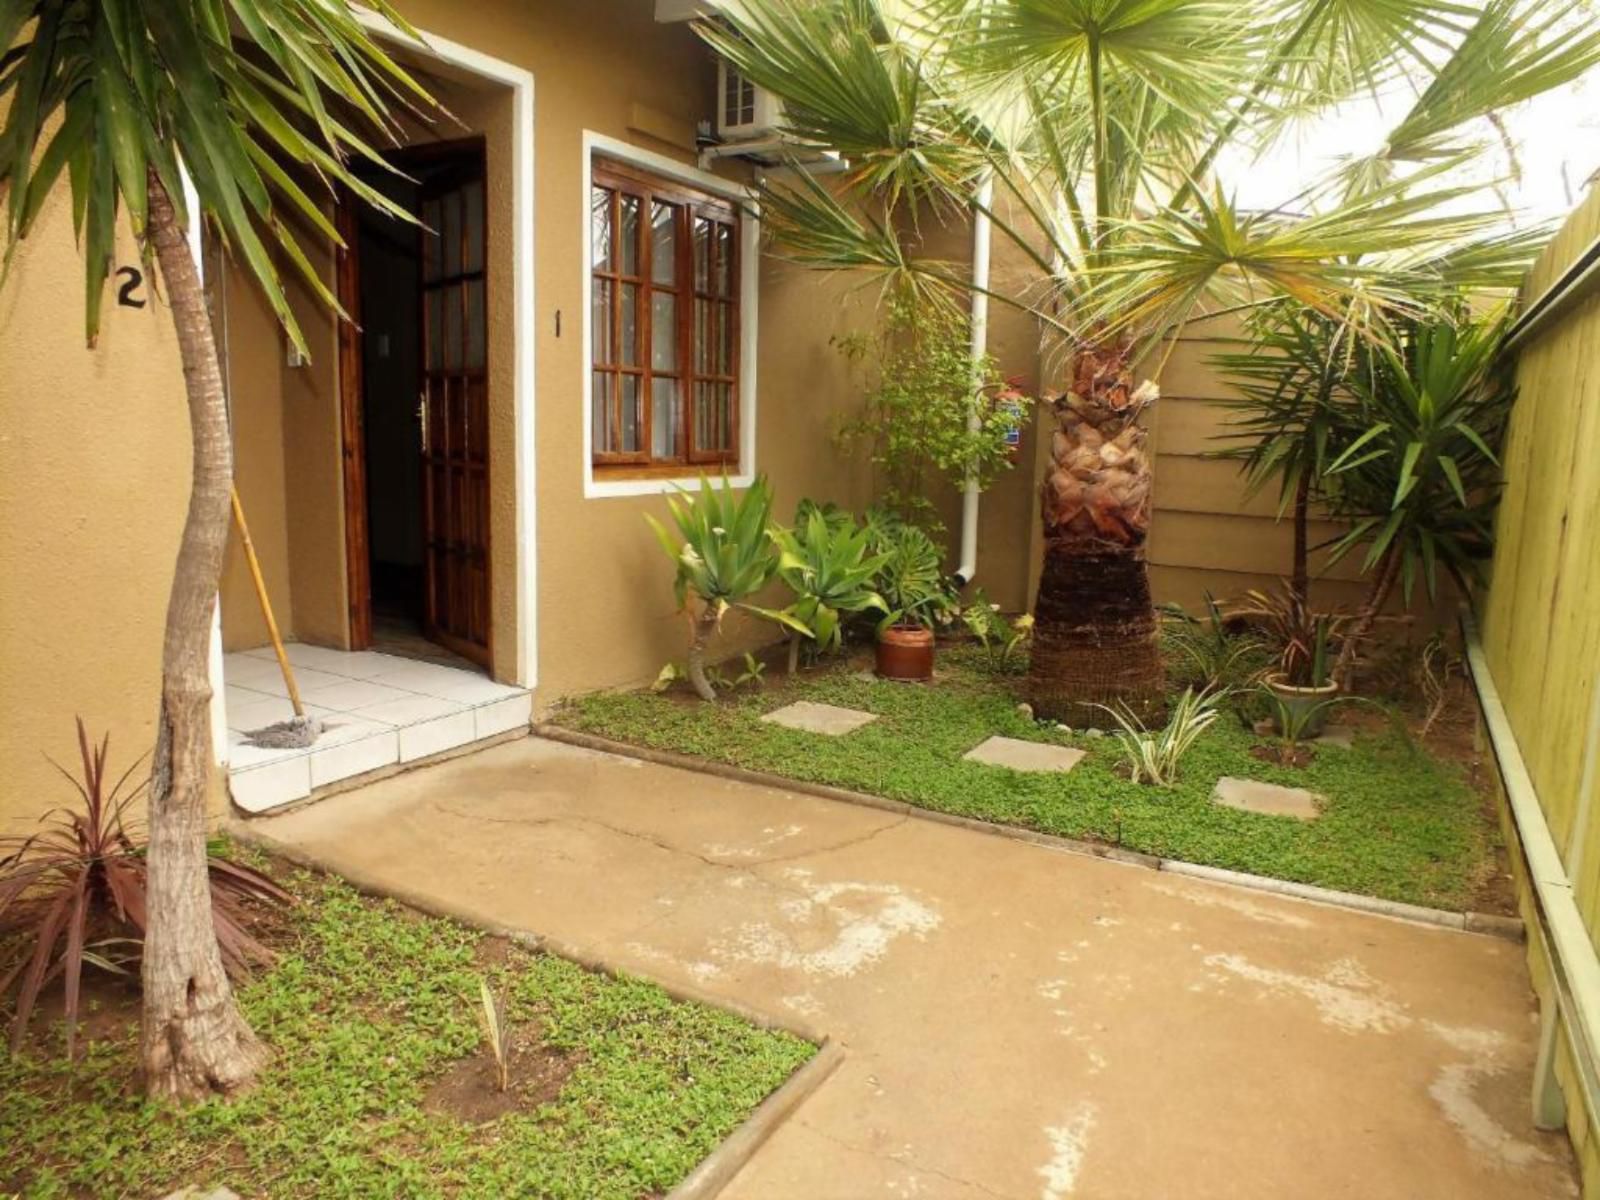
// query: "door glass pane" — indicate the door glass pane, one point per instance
point(600, 321)
point(472, 199)
point(430, 240)
point(600, 412)
point(632, 413)
point(452, 326)
point(724, 259)
point(477, 321)
point(630, 234)
point(666, 416)
point(435, 329)
point(664, 244)
point(600, 228)
point(663, 331)
point(451, 233)
point(702, 253)
point(630, 324)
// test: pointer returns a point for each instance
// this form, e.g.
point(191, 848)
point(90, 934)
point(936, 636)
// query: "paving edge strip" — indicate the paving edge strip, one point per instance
point(1485, 924)
point(718, 1168)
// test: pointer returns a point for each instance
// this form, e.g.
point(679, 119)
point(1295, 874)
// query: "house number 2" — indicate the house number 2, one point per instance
point(130, 291)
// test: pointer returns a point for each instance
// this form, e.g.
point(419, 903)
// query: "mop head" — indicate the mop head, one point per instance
point(294, 734)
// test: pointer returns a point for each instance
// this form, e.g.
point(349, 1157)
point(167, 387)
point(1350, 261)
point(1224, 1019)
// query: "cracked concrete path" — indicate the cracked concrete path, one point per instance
point(1019, 1022)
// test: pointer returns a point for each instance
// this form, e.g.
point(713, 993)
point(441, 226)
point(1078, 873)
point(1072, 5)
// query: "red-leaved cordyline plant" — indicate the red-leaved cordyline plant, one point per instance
point(85, 871)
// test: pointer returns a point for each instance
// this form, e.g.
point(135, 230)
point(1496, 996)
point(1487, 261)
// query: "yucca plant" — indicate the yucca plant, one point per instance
point(261, 103)
point(1153, 756)
point(1096, 134)
point(830, 568)
point(725, 553)
point(82, 883)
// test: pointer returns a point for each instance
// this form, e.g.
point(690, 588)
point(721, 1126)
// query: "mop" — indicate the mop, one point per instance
point(299, 731)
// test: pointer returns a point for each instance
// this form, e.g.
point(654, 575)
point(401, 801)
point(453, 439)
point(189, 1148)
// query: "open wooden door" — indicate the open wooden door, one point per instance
point(455, 408)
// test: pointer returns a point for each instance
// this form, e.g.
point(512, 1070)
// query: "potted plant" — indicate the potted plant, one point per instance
point(913, 589)
point(1303, 641)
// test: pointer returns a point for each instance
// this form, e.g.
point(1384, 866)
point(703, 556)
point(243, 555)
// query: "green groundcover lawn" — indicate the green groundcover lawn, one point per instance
point(1398, 823)
point(370, 1010)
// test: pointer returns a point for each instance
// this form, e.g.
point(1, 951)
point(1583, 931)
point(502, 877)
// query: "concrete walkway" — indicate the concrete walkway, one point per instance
point(1019, 1022)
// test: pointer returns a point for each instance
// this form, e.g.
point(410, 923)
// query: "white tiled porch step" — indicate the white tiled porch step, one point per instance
point(377, 710)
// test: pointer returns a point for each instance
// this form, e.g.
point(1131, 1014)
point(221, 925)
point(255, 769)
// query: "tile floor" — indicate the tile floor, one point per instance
point(376, 710)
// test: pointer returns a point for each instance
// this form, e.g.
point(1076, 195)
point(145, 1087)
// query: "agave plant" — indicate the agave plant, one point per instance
point(725, 554)
point(84, 875)
point(829, 566)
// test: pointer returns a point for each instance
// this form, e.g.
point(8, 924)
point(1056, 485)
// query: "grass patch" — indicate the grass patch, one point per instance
point(1398, 824)
point(366, 1008)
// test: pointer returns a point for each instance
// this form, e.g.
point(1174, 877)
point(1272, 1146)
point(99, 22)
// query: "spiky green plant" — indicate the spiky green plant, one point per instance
point(1153, 756)
point(830, 568)
point(725, 553)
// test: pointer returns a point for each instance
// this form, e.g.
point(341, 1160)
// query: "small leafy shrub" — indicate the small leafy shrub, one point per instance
point(911, 579)
point(754, 672)
point(827, 561)
point(1210, 653)
point(724, 555)
point(496, 1026)
point(1004, 642)
point(78, 887)
point(1153, 755)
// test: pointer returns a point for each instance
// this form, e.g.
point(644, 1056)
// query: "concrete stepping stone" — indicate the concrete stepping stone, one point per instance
point(1251, 795)
point(1342, 736)
point(1024, 756)
point(827, 719)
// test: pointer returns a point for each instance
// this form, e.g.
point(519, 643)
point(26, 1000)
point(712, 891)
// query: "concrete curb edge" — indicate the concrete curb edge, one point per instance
point(1484, 924)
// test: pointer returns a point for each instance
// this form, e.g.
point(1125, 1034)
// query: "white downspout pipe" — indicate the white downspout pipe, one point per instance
point(982, 236)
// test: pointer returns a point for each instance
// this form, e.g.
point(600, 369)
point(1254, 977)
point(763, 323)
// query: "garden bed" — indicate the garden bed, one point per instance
point(381, 1084)
point(1397, 822)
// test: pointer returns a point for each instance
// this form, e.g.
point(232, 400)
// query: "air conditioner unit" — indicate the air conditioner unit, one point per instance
point(745, 111)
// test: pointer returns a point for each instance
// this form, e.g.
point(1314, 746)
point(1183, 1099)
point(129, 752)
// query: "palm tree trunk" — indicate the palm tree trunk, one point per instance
point(704, 626)
point(1367, 616)
point(1094, 640)
point(1300, 581)
point(195, 1042)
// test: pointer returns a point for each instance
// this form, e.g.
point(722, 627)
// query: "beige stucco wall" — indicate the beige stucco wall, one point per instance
point(94, 466)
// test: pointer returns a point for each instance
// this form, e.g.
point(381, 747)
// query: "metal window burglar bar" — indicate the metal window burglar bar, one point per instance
point(1558, 925)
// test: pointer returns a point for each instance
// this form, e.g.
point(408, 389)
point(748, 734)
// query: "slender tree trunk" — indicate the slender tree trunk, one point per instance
point(1367, 616)
point(1300, 581)
point(704, 626)
point(195, 1042)
point(1094, 638)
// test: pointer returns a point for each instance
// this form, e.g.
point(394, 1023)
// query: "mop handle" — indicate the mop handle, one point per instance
point(266, 605)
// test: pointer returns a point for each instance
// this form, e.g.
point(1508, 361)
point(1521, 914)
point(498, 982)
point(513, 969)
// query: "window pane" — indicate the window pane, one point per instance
point(451, 233)
point(452, 326)
point(664, 244)
point(430, 240)
point(435, 322)
point(702, 337)
point(724, 259)
point(600, 412)
point(724, 415)
point(630, 324)
point(472, 198)
point(600, 327)
point(663, 331)
point(630, 235)
point(666, 417)
point(702, 253)
point(600, 228)
point(724, 358)
point(476, 321)
point(632, 413)
point(702, 416)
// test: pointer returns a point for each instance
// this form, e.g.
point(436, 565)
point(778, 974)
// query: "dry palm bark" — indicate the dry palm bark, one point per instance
point(1094, 638)
point(194, 1042)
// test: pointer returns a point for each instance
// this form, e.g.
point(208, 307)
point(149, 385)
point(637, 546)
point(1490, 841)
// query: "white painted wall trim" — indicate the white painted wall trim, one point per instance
point(749, 296)
point(520, 81)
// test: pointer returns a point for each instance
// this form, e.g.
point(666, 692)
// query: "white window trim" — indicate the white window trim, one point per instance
point(749, 289)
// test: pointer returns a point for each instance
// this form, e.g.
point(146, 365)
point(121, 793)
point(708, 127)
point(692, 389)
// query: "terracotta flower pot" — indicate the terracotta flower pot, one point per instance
point(1303, 699)
point(905, 652)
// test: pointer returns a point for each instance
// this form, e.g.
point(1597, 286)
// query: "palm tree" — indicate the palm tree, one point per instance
point(1104, 128)
point(125, 98)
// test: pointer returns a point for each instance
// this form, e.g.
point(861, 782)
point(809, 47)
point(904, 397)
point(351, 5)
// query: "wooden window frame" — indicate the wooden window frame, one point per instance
point(623, 178)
